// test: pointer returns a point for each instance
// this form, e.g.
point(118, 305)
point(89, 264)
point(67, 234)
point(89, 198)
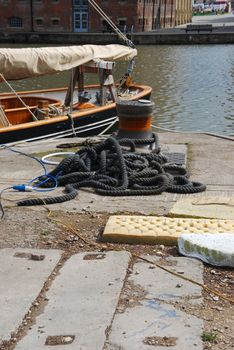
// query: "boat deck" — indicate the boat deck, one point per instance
point(60, 94)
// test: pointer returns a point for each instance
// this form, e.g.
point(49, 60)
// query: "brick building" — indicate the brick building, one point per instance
point(35, 15)
point(141, 15)
point(79, 16)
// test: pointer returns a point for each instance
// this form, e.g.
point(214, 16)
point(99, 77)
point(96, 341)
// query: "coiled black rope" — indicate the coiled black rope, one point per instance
point(71, 193)
point(113, 168)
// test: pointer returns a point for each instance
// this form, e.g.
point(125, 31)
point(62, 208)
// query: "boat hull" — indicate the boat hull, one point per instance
point(91, 123)
point(82, 127)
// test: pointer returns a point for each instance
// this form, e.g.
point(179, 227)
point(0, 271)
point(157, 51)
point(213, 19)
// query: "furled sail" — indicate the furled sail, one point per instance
point(28, 62)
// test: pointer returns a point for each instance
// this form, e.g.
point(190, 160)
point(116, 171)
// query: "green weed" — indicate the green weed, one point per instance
point(45, 232)
point(209, 336)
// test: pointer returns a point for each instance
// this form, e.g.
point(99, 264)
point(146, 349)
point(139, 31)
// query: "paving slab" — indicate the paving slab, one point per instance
point(138, 326)
point(22, 275)
point(82, 302)
point(164, 286)
point(206, 207)
point(215, 166)
point(153, 320)
point(159, 230)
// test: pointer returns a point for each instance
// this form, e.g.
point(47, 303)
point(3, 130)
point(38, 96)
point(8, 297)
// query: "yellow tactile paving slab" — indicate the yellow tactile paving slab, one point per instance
point(204, 207)
point(159, 230)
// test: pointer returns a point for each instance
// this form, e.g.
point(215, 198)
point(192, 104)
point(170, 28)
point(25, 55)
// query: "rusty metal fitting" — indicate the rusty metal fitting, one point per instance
point(135, 119)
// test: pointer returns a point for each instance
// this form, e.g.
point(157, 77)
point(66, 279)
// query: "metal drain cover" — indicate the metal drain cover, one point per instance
point(176, 157)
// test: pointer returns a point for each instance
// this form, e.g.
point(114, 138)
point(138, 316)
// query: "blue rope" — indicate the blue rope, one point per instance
point(31, 185)
point(26, 155)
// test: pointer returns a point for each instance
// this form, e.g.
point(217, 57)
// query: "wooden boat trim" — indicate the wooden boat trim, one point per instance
point(144, 91)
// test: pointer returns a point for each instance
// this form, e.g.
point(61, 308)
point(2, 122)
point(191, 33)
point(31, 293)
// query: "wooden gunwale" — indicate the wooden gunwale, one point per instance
point(145, 90)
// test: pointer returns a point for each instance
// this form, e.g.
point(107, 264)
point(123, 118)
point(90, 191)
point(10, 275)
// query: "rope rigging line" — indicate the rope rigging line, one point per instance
point(35, 184)
point(114, 168)
point(17, 95)
point(194, 132)
point(109, 21)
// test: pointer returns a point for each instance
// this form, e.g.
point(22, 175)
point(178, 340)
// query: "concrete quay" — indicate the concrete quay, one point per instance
point(222, 33)
point(209, 160)
point(176, 36)
point(105, 298)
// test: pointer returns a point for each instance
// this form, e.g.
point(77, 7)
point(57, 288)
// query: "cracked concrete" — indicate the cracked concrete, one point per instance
point(82, 296)
point(81, 310)
point(21, 280)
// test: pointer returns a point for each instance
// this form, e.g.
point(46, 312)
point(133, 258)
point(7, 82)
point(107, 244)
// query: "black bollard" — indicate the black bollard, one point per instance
point(135, 120)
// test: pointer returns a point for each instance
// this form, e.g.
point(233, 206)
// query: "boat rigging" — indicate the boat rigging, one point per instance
point(39, 114)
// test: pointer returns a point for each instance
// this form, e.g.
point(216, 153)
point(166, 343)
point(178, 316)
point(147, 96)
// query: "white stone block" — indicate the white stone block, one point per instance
point(213, 249)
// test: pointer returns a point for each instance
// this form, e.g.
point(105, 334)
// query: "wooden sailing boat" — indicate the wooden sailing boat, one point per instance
point(76, 110)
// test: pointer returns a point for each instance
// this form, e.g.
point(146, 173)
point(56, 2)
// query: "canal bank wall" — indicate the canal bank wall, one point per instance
point(177, 36)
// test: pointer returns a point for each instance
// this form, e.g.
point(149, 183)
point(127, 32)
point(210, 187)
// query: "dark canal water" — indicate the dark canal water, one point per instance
point(193, 86)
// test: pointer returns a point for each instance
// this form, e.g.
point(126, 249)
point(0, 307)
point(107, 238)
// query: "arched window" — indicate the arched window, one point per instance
point(15, 22)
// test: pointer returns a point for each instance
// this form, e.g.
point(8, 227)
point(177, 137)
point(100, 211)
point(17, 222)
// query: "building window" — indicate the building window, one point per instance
point(81, 2)
point(106, 28)
point(39, 21)
point(15, 22)
point(143, 21)
point(122, 21)
point(140, 21)
point(55, 21)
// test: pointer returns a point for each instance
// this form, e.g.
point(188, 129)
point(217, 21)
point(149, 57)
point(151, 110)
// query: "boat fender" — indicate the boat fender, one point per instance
point(83, 105)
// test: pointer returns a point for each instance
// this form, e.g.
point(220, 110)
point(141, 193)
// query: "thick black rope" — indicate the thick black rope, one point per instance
point(112, 170)
point(71, 193)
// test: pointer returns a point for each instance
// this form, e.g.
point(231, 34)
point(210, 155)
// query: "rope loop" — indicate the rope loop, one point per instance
point(112, 170)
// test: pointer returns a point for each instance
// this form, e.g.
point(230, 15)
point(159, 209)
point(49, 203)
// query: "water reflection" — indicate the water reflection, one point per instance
point(193, 86)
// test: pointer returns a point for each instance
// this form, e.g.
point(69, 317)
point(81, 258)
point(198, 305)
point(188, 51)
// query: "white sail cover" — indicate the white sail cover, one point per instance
point(27, 62)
